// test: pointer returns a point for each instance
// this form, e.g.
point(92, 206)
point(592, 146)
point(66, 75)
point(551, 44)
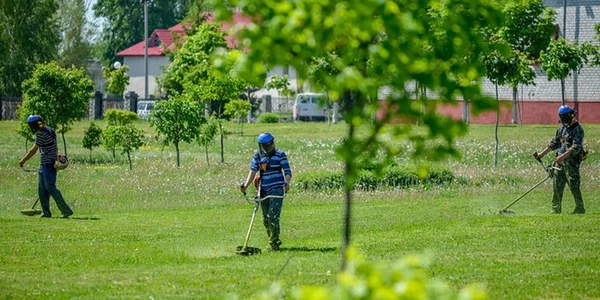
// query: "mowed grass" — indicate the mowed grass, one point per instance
point(164, 232)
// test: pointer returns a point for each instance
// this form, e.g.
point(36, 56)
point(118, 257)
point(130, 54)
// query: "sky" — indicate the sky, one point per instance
point(89, 4)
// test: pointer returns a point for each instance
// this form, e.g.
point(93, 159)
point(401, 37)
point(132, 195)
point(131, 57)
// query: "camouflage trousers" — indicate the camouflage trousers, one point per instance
point(271, 210)
point(569, 173)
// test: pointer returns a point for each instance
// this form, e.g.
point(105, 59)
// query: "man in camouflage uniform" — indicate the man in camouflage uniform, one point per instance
point(569, 145)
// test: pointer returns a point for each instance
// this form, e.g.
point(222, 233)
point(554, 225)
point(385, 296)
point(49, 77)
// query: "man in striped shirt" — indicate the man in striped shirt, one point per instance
point(45, 141)
point(275, 175)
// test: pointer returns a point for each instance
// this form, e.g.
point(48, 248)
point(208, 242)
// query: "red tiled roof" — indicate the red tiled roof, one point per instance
point(161, 37)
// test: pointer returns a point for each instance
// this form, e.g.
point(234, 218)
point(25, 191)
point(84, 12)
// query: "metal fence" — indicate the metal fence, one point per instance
point(8, 107)
point(277, 104)
point(96, 106)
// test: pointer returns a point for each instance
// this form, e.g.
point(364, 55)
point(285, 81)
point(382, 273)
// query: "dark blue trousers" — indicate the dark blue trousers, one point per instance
point(47, 188)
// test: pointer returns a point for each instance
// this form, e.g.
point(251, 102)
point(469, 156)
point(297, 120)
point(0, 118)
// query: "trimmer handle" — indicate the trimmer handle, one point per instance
point(242, 189)
point(536, 156)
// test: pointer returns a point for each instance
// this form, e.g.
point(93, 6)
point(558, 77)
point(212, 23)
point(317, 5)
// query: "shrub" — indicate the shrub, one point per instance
point(268, 118)
point(320, 180)
point(406, 278)
point(395, 176)
point(120, 117)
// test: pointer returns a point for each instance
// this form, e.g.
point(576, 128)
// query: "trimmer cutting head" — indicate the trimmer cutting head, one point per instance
point(247, 251)
point(506, 212)
point(31, 212)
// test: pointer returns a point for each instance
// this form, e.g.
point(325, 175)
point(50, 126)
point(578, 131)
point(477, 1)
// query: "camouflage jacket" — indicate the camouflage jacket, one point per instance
point(569, 138)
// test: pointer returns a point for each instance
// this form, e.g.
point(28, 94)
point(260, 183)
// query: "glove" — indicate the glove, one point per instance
point(536, 155)
point(243, 188)
point(286, 187)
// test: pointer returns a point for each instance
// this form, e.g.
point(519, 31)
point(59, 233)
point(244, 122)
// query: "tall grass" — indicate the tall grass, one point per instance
point(163, 232)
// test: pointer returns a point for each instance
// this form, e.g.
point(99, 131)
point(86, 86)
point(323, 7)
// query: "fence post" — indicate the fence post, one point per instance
point(268, 104)
point(98, 105)
point(133, 101)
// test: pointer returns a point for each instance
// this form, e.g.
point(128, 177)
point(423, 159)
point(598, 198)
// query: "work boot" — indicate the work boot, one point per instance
point(579, 210)
point(275, 244)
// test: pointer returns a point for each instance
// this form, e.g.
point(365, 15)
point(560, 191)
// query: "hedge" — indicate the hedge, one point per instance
point(391, 177)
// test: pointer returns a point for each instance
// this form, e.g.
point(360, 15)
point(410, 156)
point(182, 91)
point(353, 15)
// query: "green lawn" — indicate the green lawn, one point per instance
point(163, 232)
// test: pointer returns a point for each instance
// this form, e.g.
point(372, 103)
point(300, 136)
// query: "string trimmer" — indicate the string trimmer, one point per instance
point(246, 250)
point(31, 211)
point(550, 173)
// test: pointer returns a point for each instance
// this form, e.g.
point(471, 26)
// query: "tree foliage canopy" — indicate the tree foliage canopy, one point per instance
point(59, 95)
point(29, 35)
point(561, 58)
point(528, 26)
point(377, 44)
point(191, 62)
point(527, 30)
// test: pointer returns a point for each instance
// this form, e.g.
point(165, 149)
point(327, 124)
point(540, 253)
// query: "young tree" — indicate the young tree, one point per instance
point(59, 95)
point(238, 109)
point(528, 29)
point(116, 79)
point(125, 138)
point(29, 35)
point(377, 43)
point(92, 137)
point(319, 69)
point(502, 69)
point(177, 120)
point(112, 135)
point(560, 59)
point(130, 138)
point(208, 133)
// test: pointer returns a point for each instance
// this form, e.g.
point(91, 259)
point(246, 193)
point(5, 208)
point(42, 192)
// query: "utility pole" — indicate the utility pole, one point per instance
point(145, 49)
point(562, 81)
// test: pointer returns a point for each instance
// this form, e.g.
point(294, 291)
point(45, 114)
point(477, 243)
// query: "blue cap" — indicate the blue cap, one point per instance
point(265, 138)
point(565, 109)
point(34, 118)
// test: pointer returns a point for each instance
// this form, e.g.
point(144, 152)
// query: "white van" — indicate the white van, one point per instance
point(144, 108)
point(310, 107)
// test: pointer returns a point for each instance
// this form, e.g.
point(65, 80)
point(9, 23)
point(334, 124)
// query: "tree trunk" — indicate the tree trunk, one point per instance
point(222, 143)
point(206, 152)
point(562, 89)
point(129, 159)
point(64, 141)
point(496, 130)
point(514, 106)
point(348, 204)
point(177, 151)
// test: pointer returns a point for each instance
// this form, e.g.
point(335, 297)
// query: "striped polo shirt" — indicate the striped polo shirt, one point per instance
point(277, 167)
point(46, 140)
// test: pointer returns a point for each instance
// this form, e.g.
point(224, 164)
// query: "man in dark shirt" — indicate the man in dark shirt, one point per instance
point(275, 175)
point(568, 142)
point(45, 141)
